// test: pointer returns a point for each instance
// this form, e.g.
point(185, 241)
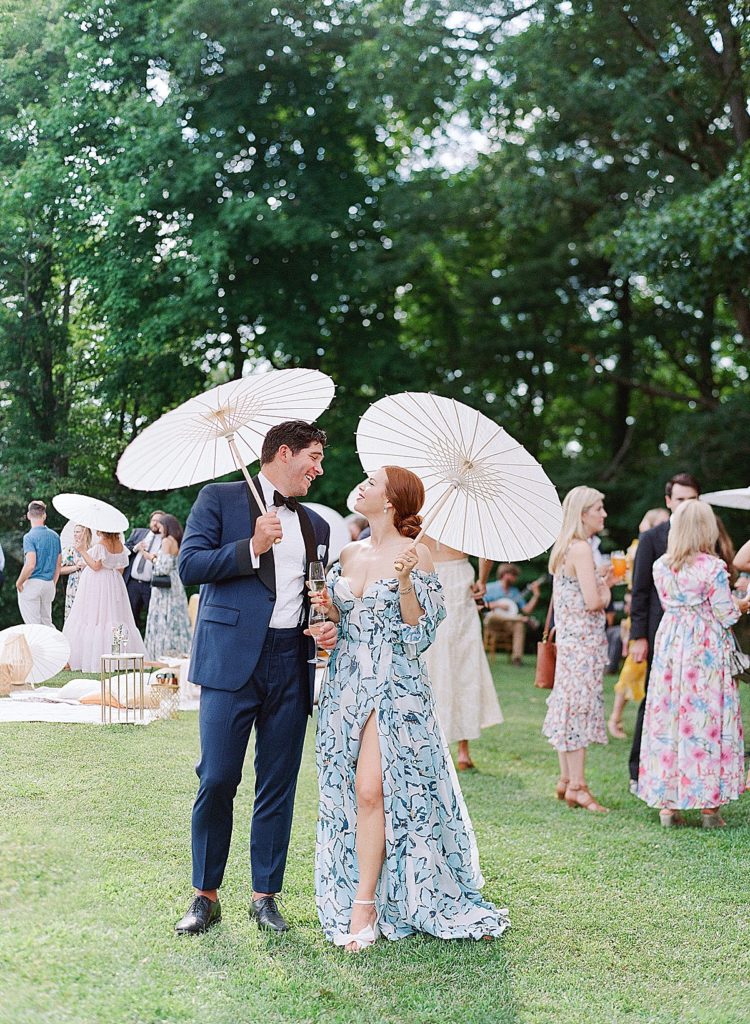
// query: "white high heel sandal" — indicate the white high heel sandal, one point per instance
point(362, 939)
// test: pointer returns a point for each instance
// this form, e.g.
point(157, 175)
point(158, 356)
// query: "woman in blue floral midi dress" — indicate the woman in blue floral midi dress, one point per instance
point(430, 877)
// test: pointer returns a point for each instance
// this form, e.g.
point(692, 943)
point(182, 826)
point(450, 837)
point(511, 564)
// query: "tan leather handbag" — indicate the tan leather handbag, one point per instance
point(546, 655)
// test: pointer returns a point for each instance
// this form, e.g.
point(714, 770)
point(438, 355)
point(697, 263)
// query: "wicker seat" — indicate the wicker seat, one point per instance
point(497, 631)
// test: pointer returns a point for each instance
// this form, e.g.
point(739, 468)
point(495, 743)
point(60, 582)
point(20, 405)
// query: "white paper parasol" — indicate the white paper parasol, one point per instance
point(66, 534)
point(735, 497)
point(485, 495)
point(49, 649)
point(340, 535)
point(221, 430)
point(91, 512)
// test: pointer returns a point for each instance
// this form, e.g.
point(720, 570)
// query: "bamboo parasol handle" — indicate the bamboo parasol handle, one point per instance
point(243, 469)
point(248, 479)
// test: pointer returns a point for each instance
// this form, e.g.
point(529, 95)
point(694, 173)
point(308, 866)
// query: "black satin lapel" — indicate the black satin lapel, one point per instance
point(308, 536)
point(267, 566)
point(311, 549)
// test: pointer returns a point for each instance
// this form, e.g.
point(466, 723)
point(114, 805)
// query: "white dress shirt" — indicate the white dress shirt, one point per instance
point(143, 568)
point(290, 560)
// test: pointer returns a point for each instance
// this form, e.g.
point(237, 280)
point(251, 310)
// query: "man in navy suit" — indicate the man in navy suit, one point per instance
point(250, 657)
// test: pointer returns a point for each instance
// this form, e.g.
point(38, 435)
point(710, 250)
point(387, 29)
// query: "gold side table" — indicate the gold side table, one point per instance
point(122, 689)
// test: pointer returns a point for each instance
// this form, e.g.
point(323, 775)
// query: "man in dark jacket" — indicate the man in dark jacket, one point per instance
point(253, 661)
point(139, 570)
point(646, 610)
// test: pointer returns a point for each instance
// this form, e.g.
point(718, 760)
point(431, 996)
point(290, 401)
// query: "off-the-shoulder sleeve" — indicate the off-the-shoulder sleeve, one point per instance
point(98, 552)
point(720, 597)
point(428, 591)
point(121, 559)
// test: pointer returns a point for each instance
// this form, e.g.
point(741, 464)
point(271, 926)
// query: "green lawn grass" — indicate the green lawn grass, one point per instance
point(614, 919)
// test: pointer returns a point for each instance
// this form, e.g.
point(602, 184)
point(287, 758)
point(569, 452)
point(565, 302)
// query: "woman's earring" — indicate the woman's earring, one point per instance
point(385, 508)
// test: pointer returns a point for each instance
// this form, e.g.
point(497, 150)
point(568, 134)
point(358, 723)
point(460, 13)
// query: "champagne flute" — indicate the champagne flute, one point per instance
point(316, 619)
point(316, 575)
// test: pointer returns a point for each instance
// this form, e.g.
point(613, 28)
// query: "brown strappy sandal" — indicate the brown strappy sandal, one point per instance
point(561, 787)
point(589, 804)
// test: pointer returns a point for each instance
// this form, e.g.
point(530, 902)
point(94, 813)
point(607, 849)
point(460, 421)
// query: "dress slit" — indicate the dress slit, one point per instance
point(430, 880)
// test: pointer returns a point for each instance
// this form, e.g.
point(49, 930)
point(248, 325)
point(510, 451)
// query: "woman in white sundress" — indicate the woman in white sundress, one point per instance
point(456, 662)
point(101, 604)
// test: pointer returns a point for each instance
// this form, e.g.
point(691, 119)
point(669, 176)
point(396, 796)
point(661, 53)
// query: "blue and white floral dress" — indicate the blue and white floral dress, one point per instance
point(431, 879)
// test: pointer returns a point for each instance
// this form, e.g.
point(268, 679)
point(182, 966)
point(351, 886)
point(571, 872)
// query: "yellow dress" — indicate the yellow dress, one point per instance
point(632, 681)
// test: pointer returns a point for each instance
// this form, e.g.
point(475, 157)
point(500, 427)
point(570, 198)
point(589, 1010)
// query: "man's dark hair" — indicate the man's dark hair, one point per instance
point(157, 512)
point(295, 434)
point(37, 509)
point(684, 480)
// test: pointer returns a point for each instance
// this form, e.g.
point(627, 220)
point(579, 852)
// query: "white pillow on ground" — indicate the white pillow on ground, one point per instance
point(129, 687)
point(78, 688)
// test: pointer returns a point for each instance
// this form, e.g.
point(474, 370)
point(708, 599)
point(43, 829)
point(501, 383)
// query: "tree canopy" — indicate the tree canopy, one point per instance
point(537, 207)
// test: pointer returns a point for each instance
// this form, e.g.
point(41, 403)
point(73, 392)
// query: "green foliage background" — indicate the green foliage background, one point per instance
point(536, 207)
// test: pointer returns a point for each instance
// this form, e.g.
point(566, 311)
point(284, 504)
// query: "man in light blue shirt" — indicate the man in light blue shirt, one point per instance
point(506, 589)
point(42, 558)
point(498, 595)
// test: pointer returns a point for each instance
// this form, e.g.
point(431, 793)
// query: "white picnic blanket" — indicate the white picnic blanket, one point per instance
point(62, 703)
point(15, 710)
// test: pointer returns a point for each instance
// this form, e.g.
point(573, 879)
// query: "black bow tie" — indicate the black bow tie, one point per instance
point(291, 503)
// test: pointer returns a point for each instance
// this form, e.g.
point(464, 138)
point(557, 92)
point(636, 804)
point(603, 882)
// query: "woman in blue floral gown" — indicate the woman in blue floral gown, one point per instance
point(395, 850)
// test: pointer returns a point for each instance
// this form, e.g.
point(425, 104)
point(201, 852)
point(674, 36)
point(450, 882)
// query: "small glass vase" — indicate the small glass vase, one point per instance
point(120, 638)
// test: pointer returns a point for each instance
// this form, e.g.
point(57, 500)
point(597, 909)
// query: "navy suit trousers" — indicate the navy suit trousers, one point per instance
point(276, 702)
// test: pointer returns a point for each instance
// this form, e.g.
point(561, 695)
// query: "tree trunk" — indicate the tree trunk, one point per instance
point(238, 356)
point(732, 71)
point(622, 396)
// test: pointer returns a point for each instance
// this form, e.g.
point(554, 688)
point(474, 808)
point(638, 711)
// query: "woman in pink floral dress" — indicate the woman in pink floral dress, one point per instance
point(692, 751)
point(575, 708)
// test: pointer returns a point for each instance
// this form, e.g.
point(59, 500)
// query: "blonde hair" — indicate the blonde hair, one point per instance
point(692, 529)
point(576, 503)
point(87, 537)
point(654, 516)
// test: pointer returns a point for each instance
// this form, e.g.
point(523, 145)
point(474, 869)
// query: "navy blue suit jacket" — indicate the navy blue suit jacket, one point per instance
point(236, 600)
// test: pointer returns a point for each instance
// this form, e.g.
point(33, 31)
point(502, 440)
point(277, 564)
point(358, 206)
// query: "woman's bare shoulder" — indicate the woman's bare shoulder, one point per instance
point(350, 552)
point(580, 549)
